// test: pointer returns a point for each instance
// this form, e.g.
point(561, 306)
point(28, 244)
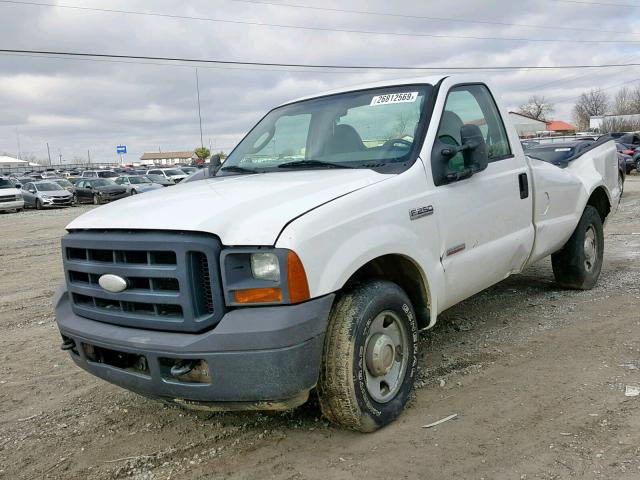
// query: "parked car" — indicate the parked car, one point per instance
point(625, 149)
point(311, 261)
point(99, 174)
point(44, 194)
point(136, 184)
point(10, 196)
point(174, 174)
point(64, 183)
point(160, 180)
point(97, 191)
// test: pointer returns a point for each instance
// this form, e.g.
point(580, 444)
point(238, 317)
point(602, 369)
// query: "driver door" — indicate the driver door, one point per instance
point(486, 228)
point(28, 194)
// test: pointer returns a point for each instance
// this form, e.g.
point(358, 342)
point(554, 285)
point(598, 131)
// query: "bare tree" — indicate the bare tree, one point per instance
point(595, 102)
point(537, 107)
point(623, 102)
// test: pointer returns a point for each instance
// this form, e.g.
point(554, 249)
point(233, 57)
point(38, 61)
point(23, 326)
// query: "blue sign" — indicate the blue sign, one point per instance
point(120, 149)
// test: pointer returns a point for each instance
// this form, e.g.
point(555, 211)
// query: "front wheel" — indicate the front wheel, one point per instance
point(579, 263)
point(96, 200)
point(133, 192)
point(38, 204)
point(620, 183)
point(370, 356)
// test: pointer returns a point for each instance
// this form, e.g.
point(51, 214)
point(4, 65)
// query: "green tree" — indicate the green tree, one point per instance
point(202, 153)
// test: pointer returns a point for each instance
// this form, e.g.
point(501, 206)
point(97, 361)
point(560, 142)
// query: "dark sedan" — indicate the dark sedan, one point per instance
point(97, 191)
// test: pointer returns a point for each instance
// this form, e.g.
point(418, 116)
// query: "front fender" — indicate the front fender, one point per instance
point(337, 239)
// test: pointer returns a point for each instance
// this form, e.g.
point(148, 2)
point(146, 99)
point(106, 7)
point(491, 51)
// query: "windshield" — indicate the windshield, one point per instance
point(107, 174)
point(4, 183)
point(174, 172)
point(63, 183)
point(102, 183)
point(47, 187)
point(156, 178)
point(137, 180)
point(552, 154)
point(350, 129)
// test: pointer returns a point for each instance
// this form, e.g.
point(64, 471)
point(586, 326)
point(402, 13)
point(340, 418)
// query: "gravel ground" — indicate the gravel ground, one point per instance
point(536, 375)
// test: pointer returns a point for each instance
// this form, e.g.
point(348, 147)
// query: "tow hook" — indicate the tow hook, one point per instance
point(68, 344)
point(182, 368)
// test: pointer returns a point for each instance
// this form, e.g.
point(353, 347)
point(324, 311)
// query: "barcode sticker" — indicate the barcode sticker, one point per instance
point(405, 97)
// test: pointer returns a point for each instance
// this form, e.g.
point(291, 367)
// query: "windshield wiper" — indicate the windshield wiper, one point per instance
point(238, 169)
point(312, 164)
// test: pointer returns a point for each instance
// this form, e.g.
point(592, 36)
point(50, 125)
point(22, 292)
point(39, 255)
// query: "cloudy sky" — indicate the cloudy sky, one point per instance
point(78, 105)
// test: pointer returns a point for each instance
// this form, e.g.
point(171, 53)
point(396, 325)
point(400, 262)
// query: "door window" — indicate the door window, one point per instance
point(473, 105)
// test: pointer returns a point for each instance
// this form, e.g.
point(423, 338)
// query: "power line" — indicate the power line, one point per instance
point(604, 4)
point(424, 17)
point(322, 29)
point(313, 66)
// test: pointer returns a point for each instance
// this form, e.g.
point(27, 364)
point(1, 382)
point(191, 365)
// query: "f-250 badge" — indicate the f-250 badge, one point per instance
point(416, 213)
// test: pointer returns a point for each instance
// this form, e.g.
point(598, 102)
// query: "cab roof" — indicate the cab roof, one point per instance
point(429, 80)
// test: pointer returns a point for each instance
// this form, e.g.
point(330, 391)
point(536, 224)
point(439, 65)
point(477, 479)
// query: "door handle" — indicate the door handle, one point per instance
point(523, 182)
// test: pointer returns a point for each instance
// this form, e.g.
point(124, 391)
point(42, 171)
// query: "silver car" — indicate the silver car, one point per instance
point(45, 194)
point(137, 184)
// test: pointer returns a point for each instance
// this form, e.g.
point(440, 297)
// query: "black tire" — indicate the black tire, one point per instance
point(572, 266)
point(133, 192)
point(96, 199)
point(621, 183)
point(638, 166)
point(38, 204)
point(342, 390)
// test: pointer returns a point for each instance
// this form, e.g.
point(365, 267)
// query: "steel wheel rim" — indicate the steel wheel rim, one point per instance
point(620, 183)
point(386, 356)
point(590, 248)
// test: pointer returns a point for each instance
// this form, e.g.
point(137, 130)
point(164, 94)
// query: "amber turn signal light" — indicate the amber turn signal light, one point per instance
point(296, 279)
point(258, 295)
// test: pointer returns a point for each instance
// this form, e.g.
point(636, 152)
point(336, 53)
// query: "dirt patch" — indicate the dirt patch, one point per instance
point(536, 375)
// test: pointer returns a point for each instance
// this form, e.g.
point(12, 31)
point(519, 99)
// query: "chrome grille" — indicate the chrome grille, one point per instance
point(172, 278)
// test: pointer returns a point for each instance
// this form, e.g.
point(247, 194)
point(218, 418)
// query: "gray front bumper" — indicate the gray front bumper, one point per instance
point(262, 357)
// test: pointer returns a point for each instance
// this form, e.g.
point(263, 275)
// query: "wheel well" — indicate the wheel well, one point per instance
point(403, 272)
point(600, 201)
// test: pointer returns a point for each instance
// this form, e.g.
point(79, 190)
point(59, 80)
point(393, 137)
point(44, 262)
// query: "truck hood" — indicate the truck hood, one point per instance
point(240, 209)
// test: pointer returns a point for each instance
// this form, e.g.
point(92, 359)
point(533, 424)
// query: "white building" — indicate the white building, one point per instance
point(526, 126)
point(12, 163)
point(596, 122)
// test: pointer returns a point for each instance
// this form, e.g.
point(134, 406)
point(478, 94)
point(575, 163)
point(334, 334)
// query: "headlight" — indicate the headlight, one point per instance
point(99, 193)
point(45, 197)
point(263, 276)
point(18, 196)
point(265, 266)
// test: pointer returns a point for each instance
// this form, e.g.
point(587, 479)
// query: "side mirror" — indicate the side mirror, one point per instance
point(90, 187)
point(32, 190)
point(475, 148)
point(214, 164)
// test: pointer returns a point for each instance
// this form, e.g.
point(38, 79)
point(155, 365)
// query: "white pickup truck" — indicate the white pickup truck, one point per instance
point(336, 230)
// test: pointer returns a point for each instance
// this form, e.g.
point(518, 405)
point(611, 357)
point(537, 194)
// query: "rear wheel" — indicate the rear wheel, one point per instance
point(370, 356)
point(579, 263)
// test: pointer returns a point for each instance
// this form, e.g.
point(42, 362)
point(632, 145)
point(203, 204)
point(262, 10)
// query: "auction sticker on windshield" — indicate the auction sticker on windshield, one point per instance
point(394, 98)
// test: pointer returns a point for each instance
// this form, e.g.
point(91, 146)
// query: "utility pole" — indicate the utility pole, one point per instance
point(89, 156)
point(18, 139)
point(199, 111)
point(49, 153)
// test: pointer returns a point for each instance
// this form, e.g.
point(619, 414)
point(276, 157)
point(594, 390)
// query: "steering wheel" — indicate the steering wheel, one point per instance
point(391, 142)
